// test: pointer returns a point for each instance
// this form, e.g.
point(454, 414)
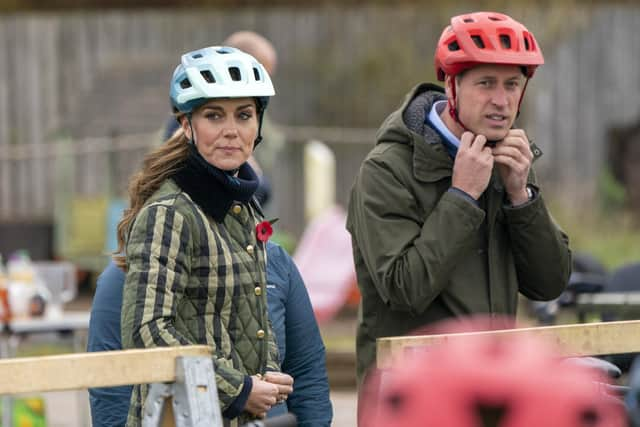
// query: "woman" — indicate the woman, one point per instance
point(195, 268)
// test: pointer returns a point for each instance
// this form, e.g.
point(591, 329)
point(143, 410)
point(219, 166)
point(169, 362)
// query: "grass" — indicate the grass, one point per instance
point(612, 237)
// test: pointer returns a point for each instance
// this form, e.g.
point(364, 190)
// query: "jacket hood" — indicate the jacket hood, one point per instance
point(431, 162)
point(407, 123)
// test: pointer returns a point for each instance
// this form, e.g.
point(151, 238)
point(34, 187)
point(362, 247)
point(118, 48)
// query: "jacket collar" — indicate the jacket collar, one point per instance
point(431, 161)
point(213, 190)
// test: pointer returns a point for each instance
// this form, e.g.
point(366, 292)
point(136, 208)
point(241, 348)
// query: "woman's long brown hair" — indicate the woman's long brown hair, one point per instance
point(158, 165)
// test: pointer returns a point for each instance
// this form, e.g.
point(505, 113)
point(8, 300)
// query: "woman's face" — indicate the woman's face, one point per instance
point(225, 131)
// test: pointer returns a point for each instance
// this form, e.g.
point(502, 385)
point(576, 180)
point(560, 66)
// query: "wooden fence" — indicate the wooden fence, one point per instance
point(103, 74)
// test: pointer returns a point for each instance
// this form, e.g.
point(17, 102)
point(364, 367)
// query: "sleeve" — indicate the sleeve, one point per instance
point(305, 357)
point(109, 405)
point(541, 250)
point(159, 251)
point(273, 360)
point(408, 257)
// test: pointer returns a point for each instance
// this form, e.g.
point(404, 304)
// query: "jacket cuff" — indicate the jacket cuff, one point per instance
point(237, 406)
point(463, 194)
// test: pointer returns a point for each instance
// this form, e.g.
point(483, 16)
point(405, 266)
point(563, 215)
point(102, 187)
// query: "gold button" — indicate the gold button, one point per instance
point(250, 249)
point(260, 334)
point(258, 290)
point(237, 209)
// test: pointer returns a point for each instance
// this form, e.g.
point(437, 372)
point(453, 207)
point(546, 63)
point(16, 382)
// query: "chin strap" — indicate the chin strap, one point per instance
point(452, 102)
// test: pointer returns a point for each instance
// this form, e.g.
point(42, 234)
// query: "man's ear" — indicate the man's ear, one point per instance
point(447, 85)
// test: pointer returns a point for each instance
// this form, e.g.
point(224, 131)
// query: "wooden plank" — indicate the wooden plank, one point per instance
point(571, 340)
point(100, 369)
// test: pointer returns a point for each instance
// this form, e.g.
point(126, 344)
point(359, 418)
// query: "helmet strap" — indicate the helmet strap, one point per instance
point(259, 137)
point(452, 101)
point(192, 140)
point(526, 82)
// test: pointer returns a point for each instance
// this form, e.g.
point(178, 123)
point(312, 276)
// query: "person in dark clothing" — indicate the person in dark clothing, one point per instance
point(445, 214)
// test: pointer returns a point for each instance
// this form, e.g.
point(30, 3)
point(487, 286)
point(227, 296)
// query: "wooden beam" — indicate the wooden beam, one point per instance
point(99, 369)
point(572, 340)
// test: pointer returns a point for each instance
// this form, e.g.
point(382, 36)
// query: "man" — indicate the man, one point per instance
point(445, 215)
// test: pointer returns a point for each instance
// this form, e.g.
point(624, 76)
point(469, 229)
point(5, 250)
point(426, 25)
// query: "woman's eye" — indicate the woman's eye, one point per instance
point(212, 116)
point(245, 115)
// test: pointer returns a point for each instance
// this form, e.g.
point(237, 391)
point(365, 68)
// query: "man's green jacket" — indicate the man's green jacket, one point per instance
point(423, 253)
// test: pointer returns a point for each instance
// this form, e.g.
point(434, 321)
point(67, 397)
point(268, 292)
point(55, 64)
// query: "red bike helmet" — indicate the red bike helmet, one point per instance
point(490, 382)
point(485, 38)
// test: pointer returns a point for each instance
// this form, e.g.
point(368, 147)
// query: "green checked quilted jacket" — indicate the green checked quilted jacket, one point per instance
point(191, 280)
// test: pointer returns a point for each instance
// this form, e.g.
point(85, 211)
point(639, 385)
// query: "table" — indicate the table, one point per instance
point(73, 323)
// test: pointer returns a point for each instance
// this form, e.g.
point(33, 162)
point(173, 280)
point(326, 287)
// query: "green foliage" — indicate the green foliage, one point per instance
point(612, 237)
point(284, 239)
point(612, 194)
point(378, 74)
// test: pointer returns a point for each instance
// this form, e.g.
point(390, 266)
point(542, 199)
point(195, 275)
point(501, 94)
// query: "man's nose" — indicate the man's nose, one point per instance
point(499, 97)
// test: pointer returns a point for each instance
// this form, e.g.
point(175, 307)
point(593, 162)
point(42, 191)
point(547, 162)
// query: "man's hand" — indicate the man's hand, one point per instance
point(283, 381)
point(473, 165)
point(262, 397)
point(513, 157)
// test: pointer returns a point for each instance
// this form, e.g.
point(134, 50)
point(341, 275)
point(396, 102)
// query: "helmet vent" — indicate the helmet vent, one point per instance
point(256, 74)
point(496, 18)
point(478, 41)
point(206, 74)
point(469, 20)
point(196, 56)
point(224, 50)
point(491, 415)
point(589, 418)
point(234, 72)
point(396, 402)
point(527, 46)
point(505, 41)
point(185, 84)
point(453, 46)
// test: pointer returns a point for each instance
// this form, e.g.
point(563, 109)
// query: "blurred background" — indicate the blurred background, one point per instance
point(84, 95)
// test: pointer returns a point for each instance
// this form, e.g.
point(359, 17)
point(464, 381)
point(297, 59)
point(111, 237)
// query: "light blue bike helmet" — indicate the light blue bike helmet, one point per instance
point(219, 72)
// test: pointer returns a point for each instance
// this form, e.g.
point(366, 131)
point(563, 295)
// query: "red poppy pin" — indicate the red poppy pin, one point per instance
point(264, 230)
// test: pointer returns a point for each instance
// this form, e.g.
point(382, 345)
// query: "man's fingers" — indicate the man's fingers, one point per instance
point(480, 141)
point(466, 140)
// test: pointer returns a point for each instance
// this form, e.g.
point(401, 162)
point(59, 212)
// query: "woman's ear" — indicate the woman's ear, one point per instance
point(186, 128)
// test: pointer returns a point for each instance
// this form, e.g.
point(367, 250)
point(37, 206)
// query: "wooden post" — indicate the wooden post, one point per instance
point(88, 370)
point(572, 340)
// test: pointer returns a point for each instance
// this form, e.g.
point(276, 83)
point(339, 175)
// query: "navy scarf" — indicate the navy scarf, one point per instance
point(213, 189)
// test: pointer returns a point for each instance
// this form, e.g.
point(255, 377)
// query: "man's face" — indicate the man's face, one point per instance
point(488, 97)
